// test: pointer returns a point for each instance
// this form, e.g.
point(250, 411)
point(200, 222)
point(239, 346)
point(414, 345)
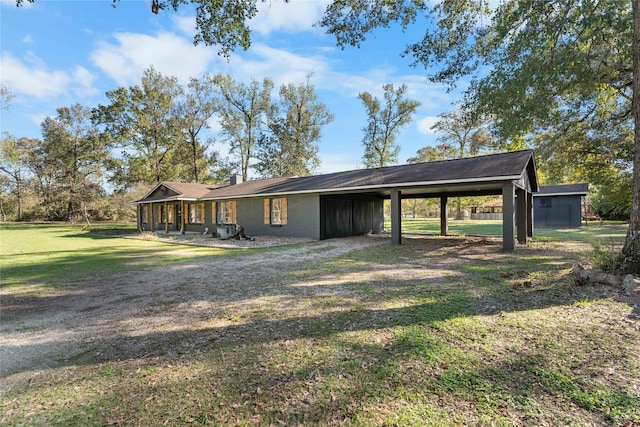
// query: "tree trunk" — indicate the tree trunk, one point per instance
point(631, 250)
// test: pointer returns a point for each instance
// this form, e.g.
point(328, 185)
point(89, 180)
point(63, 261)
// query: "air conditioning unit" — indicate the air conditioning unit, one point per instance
point(226, 231)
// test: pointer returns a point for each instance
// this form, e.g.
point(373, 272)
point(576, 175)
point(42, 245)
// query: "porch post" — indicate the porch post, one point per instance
point(139, 218)
point(152, 221)
point(529, 215)
point(444, 215)
point(166, 217)
point(522, 214)
point(396, 214)
point(182, 215)
point(508, 217)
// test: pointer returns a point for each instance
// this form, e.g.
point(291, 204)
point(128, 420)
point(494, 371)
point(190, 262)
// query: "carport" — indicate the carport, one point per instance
point(511, 175)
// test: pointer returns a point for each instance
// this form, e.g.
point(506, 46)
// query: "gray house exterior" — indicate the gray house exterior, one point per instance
point(559, 205)
point(345, 203)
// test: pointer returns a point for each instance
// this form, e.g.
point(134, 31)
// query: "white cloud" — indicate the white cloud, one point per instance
point(281, 65)
point(32, 77)
point(83, 81)
point(425, 124)
point(294, 16)
point(170, 54)
point(27, 39)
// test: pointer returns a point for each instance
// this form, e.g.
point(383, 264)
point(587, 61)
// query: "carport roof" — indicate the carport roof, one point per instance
point(490, 170)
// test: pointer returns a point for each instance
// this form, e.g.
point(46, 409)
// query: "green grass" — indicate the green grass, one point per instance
point(44, 254)
point(610, 230)
point(438, 332)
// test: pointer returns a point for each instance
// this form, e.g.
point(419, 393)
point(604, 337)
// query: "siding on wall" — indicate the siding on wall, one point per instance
point(557, 211)
point(303, 217)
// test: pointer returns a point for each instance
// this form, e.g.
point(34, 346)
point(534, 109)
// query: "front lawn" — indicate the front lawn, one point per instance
point(437, 331)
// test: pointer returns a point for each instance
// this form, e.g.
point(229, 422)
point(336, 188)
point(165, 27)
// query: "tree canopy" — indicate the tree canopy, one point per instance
point(384, 122)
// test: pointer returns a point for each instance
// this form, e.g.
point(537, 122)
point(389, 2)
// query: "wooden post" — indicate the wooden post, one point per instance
point(529, 215)
point(182, 215)
point(152, 219)
point(522, 213)
point(166, 217)
point(139, 218)
point(444, 215)
point(508, 217)
point(396, 220)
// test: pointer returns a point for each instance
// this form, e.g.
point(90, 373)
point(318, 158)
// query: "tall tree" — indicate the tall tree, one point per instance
point(199, 106)
point(531, 61)
point(295, 123)
point(461, 131)
point(384, 122)
point(14, 154)
point(73, 146)
point(242, 111)
point(147, 121)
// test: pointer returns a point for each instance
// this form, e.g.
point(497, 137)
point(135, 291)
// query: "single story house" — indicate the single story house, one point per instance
point(345, 203)
point(560, 205)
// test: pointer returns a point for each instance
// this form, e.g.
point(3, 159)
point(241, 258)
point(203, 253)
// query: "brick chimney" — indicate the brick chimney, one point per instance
point(235, 179)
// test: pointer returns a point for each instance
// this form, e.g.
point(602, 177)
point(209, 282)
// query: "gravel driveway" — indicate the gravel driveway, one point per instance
point(108, 321)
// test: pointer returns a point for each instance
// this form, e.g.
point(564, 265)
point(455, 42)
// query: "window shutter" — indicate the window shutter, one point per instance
point(214, 213)
point(267, 211)
point(284, 213)
point(234, 213)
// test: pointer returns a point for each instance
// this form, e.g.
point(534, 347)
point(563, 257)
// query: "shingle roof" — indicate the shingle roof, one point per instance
point(582, 188)
point(493, 167)
point(460, 170)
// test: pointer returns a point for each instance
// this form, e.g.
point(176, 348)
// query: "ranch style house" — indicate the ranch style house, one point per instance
point(345, 203)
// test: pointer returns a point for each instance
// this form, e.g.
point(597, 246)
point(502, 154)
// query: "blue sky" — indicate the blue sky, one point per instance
point(57, 53)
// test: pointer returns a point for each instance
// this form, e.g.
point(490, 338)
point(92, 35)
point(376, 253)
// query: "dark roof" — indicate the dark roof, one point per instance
point(566, 189)
point(490, 168)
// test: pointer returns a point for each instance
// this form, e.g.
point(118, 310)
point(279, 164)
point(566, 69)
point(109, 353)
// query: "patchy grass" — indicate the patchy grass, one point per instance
point(440, 331)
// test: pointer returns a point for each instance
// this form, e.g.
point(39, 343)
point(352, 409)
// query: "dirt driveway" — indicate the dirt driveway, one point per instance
point(111, 321)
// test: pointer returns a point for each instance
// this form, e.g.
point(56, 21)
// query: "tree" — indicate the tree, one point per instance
point(295, 123)
point(462, 132)
point(384, 123)
point(434, 154)
point(73, 147)
point(14, 168)
point(530, 61)
point(147, 122)
point(199, 106)
point(242, 110)
point(5, 97)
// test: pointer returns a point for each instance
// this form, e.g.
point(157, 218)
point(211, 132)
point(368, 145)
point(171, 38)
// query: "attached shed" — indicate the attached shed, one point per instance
point(346, 203)
point(559, 205)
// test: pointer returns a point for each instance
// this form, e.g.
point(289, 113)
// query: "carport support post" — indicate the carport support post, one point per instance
point(444, 215)
point(529, 215)
point(521, 213)
point(396, 214)
point(508, 217)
